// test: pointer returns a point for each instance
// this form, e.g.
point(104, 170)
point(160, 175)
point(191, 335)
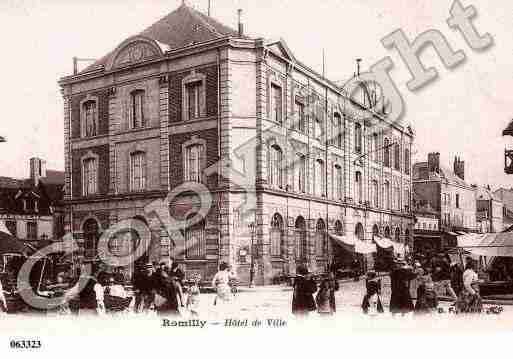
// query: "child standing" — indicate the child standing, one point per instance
point(193, 299)
point(323, 298)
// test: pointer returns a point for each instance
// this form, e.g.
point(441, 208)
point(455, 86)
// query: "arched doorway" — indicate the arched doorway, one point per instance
point(359, 232)
point(301, 240)
point(339, 228)
point(397, 236)
point(387, 232)
point(375, 231)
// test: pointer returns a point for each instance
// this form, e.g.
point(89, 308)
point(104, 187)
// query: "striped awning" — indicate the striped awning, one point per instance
point(383, 242)
point(353, 244)
point(488, 244)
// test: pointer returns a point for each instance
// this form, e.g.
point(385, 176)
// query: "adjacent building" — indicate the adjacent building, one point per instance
point(191, 108)
point(446, 192)
point(490, 211)
point(31, 209)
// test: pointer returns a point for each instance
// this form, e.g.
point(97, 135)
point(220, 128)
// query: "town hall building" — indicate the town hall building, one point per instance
point(293, 167)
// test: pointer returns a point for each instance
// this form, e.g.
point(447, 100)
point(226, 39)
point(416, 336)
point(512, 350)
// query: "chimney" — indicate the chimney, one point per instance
point(37, 170)
point(459, 168)
point(434, 162)
point(241, 24)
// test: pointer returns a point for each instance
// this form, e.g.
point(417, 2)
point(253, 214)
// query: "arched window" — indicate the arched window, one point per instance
point(275, 166)
point(337, 182)
point(407, 161)
point(359, 232)
point(386, 152)
point(358, 137)
point(195, 241)
point(386, 195)
point(397, 235)
point(301, 240)
point(375, 231)
point(320, 177)
point(358, 187)
point(375, 194)
point(387, 232)
point(339, 228)
point(277, 236)
point(137, 103)
point(89, 119)
point(91, 235)
point(337, 130)
point(276, 103)
point(299, 173)
point(321, 239)
point(397, 155)
point(137, 171)
point(194, 163)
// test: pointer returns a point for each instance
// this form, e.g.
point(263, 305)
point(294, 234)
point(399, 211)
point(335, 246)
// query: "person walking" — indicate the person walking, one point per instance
point(427, 299)
point(469, 300)
point(193, 297)
point(177, 276)
point(144, 285)
point(221, 283)
point(325, 298)
point(166, 292)
point(400, 298)
point(3, 301)
point(456, 278)
point(355, 266)
point(371, 303)
point(302, 296)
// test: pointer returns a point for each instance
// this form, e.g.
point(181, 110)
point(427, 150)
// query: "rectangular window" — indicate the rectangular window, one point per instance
point(11, 226)
point(337, 182)
point(300, 117)
point(276, 103)
point(193, 99)
point(138, 171)
point(358, 138)
point(276, 243)
point(195, 242)
point(457, 200)
point(319, 178)
point(299, 175)
point(31, 230)
point(358, 187)
point(193, 167)
point(375, 146)
point(137, 109)
point(337, 130)
point(90, 169)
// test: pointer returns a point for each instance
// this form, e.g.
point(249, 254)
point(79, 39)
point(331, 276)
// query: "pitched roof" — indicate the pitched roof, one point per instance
point(508, 131)
point(182, 27)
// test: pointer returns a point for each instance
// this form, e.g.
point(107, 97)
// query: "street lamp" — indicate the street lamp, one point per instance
point(252, 265)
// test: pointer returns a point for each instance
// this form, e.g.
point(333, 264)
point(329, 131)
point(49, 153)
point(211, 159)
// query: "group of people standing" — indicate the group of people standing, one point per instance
point(417, 289)
point(305, 287)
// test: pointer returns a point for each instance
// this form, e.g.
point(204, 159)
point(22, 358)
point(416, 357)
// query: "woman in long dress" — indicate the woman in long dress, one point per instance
point(221, 283)
point(469, 300)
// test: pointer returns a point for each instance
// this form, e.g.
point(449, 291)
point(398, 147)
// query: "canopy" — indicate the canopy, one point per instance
point(488, 244)
point(383, 242)
point(353, 244)
point(10, 245)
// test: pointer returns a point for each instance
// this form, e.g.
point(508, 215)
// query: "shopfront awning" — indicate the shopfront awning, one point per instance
point(383, 242)
point(353, 244)
point(488, 244)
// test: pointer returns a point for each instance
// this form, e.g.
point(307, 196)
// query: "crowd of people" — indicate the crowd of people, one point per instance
point(413, 288)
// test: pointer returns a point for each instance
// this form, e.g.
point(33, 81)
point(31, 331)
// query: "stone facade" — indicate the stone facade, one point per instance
point(237, 122)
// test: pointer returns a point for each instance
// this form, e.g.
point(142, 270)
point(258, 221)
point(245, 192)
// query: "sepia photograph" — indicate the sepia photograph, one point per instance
point(184, 167)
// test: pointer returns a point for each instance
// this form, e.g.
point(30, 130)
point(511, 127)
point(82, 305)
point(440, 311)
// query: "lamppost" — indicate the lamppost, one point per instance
point(252, 265)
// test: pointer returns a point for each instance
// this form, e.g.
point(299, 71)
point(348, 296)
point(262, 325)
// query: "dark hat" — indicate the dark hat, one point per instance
point(302, 269)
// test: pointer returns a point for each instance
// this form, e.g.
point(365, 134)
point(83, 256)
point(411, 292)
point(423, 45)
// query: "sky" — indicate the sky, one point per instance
point(462, 113)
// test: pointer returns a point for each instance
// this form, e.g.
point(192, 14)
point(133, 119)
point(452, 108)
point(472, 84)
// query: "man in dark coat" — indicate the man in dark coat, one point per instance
point(400, 299)
point(166, 289)
point(144, 284)
point(302, 296)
